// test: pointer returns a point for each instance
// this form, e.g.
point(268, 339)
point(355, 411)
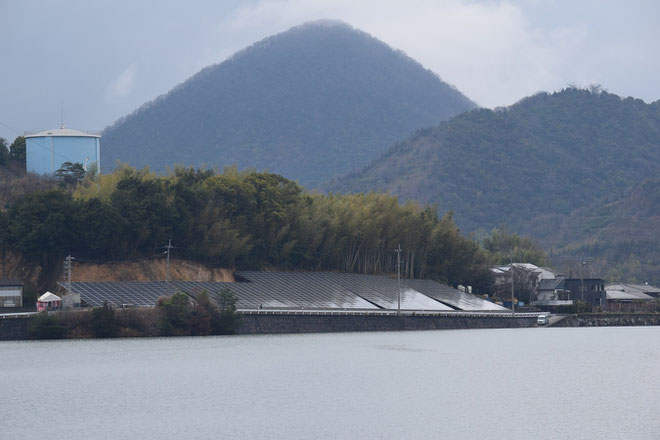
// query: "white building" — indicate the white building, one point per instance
point(11, 293)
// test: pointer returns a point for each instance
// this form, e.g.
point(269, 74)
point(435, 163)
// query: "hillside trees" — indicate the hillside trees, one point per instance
point(17, 150)
point(40, 223)
point(249, 220)
point(70, 174)
point(4, 152)
point(504, 247)
point(526, 165)
point(100, 229)
point(143, 204)
point(12, 157)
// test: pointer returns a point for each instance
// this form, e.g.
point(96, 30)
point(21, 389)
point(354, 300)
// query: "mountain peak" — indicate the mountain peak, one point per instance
point(314, 101)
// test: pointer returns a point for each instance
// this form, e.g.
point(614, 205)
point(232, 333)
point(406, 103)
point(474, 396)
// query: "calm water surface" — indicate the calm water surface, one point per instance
point(577, 383)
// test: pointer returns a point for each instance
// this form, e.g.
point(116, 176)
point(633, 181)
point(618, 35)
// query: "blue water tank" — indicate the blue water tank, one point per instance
point(47, 150)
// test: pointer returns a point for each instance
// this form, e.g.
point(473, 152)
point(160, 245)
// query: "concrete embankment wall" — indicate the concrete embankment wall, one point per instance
point(271, 324)
point(13, 329)
point(16, 328)
point(609, 320)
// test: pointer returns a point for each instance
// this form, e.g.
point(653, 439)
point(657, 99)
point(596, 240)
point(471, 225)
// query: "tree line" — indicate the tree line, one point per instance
point(12, 152)
point(246, 220)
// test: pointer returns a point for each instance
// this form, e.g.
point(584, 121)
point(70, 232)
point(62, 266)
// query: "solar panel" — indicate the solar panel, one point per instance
point(247, 296)
point(121, 293)
point(295, 290)
point(341, 290)
point(382, 290)
point(306, 290)
point(453, 297)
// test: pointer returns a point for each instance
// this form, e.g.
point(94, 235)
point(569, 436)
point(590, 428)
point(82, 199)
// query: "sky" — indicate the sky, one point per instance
point(92, 62)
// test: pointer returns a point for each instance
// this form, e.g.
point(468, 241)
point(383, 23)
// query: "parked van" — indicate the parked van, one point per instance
point(542, 319)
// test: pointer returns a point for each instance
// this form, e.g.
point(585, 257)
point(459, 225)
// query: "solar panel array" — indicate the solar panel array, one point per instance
point(307, 290)
point(453, 297)
point(122, 293)
point(295, 290)
point(382, 291)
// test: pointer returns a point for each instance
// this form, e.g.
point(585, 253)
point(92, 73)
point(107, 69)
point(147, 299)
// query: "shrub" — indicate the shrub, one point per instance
point(227, 321)
point(46, 326)
point(577, 307)
point(175, 315)
point(180, 316)
point(134, 322)
point(104, 324)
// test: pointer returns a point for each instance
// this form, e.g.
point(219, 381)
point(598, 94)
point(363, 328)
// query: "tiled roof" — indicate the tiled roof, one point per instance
point(550, 284)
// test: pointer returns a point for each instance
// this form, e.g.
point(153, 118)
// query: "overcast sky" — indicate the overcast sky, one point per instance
point(103, 59)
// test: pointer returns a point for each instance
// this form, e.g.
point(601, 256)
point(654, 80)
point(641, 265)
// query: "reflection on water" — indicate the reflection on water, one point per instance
point(400, 348)
point(484, 384)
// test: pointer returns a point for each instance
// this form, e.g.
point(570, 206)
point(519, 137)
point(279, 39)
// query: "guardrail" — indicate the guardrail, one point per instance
point(329, 312)
point(388, 313)
point(17, 315)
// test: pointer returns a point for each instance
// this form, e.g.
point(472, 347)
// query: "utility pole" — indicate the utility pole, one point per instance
point(167, 266)
point(513, 306)
point(583, 263)
point(67, 272)
point(398, 278)
point(3, 257)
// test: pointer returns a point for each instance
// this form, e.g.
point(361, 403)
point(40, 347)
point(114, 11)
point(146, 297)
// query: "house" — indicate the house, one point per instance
point(551, 292)
point(527, 278)
point(635, 289)
point(11, 293)
point(502, 274)
point(632, 297)
point(589, 290)
point(48, 301)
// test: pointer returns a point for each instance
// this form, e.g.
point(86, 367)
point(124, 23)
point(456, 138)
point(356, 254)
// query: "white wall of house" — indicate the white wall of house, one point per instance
point(11, 296)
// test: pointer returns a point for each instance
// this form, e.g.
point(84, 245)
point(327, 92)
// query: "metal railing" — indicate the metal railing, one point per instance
point(322, 312)
point(17, 315)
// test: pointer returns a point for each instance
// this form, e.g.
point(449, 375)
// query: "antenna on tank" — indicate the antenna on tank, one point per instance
point(62, 113)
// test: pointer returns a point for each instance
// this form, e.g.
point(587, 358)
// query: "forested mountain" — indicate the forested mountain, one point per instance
point(621, 238)
point(312, 102)
point(562, 167)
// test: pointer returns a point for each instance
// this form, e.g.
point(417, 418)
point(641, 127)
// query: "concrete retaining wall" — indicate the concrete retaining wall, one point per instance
point(16, 328)
point(13, 329)
point(270, 324)
point(610, 320)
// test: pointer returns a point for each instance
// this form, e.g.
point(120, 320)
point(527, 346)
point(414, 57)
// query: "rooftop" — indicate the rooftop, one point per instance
point(5, 283)
point(62, 132)
point(635, 289)
point(619, 295)
point(550, 284)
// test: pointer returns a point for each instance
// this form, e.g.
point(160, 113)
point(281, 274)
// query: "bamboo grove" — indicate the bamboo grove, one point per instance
point(243, 220)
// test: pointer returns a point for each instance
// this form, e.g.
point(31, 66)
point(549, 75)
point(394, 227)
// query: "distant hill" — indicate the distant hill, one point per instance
point(621, 237)
point(312, 102)
point(542, 157)
point(634, 216)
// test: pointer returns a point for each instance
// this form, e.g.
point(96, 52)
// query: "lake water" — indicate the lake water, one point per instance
point(547, 383)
